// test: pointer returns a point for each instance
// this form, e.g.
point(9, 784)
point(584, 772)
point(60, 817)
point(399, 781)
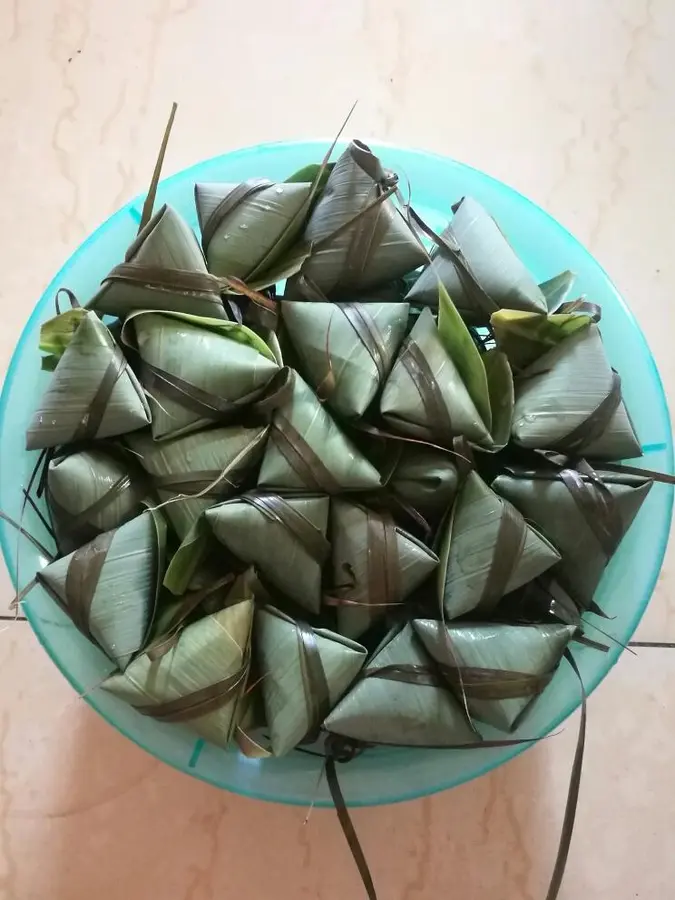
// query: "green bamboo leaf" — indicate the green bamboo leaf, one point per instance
point(424, 478)
point(500, 388)
point(525, 336)
point(243, 224)
point(265, 273)
point(557, 289)
point(285, 267)
point(407, 403)
point(311, 172)
point(231, 330)
point(57, 333)
point(491, 276)
point(185, 562)
point(460, 347)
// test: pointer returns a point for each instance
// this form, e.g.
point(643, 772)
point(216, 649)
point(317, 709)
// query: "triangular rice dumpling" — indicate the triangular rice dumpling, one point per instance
point(569, 400)
point(283, 537)
point(92, 393)
point(163, 269)
point(109, 586)
point(215, 464)
point(585, 521)
point(498, 669)
point(346, 349)
point(242, 223)
point(307, 451)
point(482, 274)
point(421, 477)
point(487, 550)
point(425, 395)
point(305, 671)
point(92, 491)
point(376, 565)
point(197, 371)
point(377, 248)
point(200, 678)
point(400, 699)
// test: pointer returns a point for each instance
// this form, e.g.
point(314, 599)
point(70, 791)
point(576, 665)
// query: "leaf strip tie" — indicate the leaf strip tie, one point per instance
point(581, 307)
point(198, 703)
point(449, 247)
point(149, 203)
point(495, 684)
point(275, 508)
point(91, 420)
point(306, 464)
point(343, 751)
point(408, 674)
point(384, 572)
point(315, 684)
point(80, 524)
point(167, 280)
point(208, 483)
point(508, 549)
point(421, 374)
point(573, 792)
point(203, 403)
point(368, 333)
point(367, 237)
point(72, 299)
point(345, 819)
point(661, 477)
point(597, 506)
point(596, 423)
point(82, 577)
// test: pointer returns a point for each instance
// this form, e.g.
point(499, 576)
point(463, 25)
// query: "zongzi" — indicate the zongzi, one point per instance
point(284, 537)
point(401, 699)
point(498, 670)
point(304, 672)
point(92, 393)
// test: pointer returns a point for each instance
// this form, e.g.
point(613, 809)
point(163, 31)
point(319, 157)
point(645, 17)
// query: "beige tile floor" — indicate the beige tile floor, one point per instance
point(572, 103)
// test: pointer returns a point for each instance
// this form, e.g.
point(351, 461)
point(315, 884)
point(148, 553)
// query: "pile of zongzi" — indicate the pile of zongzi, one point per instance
point(319, 470)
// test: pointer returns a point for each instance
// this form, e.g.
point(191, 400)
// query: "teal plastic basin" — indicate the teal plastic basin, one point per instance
point(379, 776)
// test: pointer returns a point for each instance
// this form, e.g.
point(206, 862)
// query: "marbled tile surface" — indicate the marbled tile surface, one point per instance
point(571, 103)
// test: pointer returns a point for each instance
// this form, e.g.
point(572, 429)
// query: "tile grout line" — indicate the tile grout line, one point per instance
point(662, 644)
